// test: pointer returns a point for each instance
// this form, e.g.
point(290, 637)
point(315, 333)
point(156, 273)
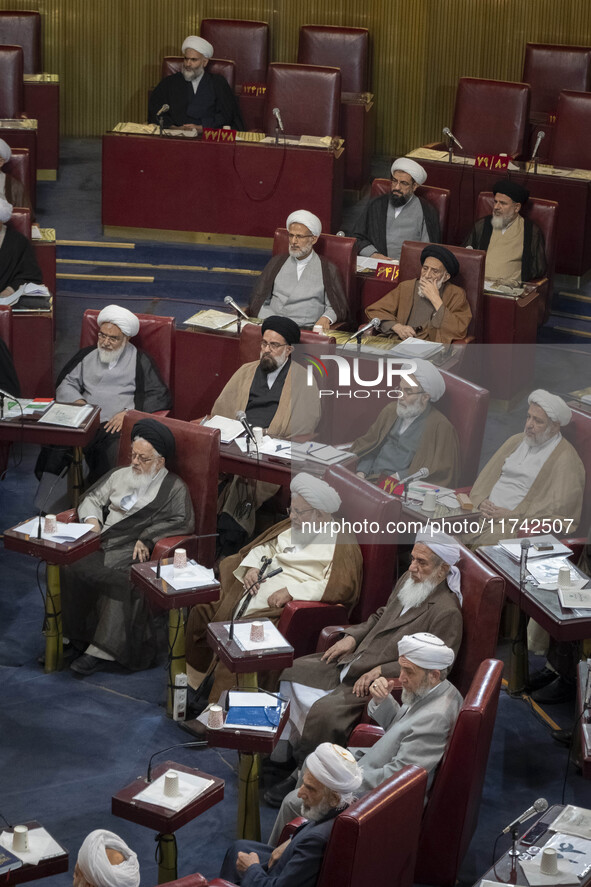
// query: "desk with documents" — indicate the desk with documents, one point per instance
point(50, 865)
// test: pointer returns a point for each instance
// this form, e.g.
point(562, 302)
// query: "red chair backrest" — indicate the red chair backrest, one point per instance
point(308, 97)
point(12, 95)
point(549, 69)
point(251, 334)
point(466, 406)
point(374, 841)
point(341, 251)
point(490, 116)
point(23, 29)
point(196, 461)
point(451, 813)
point(470, 277)
point(6, 325)
point(20, 220)
point(195, 880)
point(363, 501)
point(155, 336)
point(440, 198)
point(18, 166)
point(543, 213)
point(578, 433)
point(172, 64)
point(245, 42)
point(343, 48)
point(570, 145)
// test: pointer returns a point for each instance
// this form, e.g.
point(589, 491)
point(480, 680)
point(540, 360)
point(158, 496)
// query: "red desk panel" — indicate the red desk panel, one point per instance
point(42, 103)
point(242, 189)
point(32, 352)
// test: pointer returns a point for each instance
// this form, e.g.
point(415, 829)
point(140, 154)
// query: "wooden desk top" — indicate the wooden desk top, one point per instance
point(53, 865)
point(243, 661)
point(162, 595)
point(31, 430)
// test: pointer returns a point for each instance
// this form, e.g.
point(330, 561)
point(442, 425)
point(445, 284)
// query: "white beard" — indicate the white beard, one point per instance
point(410, 410)
point(317, 812)
point(141, 482)
point(109, 356)
point(189, 74)
point(409, 698)
point(413, 594)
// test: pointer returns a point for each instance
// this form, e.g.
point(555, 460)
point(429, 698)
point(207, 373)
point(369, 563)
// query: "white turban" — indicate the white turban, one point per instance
point(98, 869)
point(425, 650)
point(199, 45)
point(429, 378)
point(5, 210)
point(554, 406)
point(312, 222)
point(445, 547)
point(121, 317)
point(316, 492)
point(415, 170)
point(5, 152)
point(336, 768)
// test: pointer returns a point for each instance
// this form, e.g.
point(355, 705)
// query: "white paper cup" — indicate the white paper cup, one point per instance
point(549, 861)
point(430, 501)
point(564, 577)
point(258, 435)
point(257, 632)
point(180, 559)
point(171, 785)
point(215, 717)
point(20, 838)
point(50, 525)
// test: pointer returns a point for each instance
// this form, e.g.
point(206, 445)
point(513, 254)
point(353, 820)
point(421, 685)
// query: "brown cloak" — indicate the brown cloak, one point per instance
point(397, 305)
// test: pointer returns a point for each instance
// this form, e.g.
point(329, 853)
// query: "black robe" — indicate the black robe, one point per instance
point(533, 259)
point(18, 264)
point(178, 93)
point(371, 227)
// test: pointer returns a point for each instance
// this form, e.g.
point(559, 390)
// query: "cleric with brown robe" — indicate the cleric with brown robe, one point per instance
point(428, 308)
point(315, 567)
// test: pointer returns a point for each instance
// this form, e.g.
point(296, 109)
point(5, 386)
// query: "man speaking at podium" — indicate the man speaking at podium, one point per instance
point(194, 98)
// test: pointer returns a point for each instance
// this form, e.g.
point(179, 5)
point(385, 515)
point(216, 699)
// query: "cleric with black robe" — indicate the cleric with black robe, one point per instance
point(195, 98)
point(18, 264)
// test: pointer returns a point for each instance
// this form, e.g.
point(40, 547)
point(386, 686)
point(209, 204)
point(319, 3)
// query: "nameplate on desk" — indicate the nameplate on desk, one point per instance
point(219, 135)
point(386, 271)
point(254, 89)
point(492, 161)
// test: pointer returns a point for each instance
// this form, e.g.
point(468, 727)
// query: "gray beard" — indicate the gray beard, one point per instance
point(141, 482)
point(413, 594)
point(317, 812)
point(410, 410)
point(107, 357)
point(189, 75)
point(409, 698)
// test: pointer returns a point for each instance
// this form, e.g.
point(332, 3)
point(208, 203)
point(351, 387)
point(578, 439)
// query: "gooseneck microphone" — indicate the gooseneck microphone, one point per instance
point(241, 416)
point(537, 807)
point(373, 324)
point(422, 472)
point(447, 132)
point(539, 138)
point(163, 110)
point(228, 300)
point(277, 116)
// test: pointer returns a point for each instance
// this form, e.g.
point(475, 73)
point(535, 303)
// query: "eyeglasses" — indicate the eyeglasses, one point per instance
point(112, 339)
point(272, 346)
point(143, 459)
point(295, 513)
point(410, 392)
point(300, 236)
point(400, 184)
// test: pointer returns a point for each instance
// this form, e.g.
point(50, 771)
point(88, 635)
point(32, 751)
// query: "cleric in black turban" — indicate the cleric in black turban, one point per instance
point(284, 326)
point(443, 255)
point(516, 192)
point(157, 434)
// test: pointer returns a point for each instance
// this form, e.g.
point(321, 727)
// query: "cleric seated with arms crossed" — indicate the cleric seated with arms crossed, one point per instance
point(428, 308)
point(416, 732)
point(301, 285)
point(534, 476)
point(18, 264)
point(330, 780)
point(514, 245)
point(132, 508)
point(105, 860)
point(328, 691)
point(392, 218)
point(315, 567)
point(410, 433)
point(115, 376)
point(10, 188)
point(195, 98)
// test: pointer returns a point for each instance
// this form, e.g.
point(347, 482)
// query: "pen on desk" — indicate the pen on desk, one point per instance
point(282, 447)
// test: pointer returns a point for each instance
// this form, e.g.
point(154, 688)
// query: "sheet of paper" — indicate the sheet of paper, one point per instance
point(271, 640)
point(194, 576)
point(573, 821)
point(413, 347)
point(190, 787)
point(64, 533)
point(65, 414)
point(230, 429)
point(513, 547)
point(545, 571)
point(239, 698)
point(368, 263)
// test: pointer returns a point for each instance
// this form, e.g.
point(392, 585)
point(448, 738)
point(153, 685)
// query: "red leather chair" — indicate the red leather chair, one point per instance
point(466, 407)
point(12, 95)
point(21, 220)
point(451, 813)
point(308, 97)
point(470, 278)
point(302, 621)
point(550, 68)
point(172, 64)
point(18, 167)
point(23, 29)
point(490, 116)
point(544, 214)
point(344, 48)
point(245, 42)
point(155, 336)
point(578, 433)
point(6, 325)
point(440, 198)
point(570, 147)
point(374, 841)
point(341, 251)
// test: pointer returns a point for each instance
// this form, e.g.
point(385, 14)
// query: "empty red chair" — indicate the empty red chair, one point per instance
point(245, 42)
point(551, 68)
point(490, 116)
point(570, 143)
point(12, 96)
point(23, 29)
point(308, 98)
point(343, 48)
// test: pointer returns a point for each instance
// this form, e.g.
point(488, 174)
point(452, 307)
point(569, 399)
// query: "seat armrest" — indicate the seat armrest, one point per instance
point(67, 517)
point(163, 413)
point(329, 636)
point(365, 735)
point(290, 829)
point(166, 546)
point(302, 621)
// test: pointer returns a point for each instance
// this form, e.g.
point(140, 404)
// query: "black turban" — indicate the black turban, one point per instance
point(157, 434)
point(447, 258)
point(512, 190)
point(284, 326)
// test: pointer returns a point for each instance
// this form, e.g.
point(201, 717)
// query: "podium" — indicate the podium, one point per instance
point(52, 865)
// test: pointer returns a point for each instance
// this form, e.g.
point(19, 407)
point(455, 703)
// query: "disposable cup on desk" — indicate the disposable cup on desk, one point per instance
point(564, 577)
point(257, 632)
point(180, 559)
point(430, 501)
point(549, 861)
point(20, 838)
point(258, 435)
point(215, 717)
point(50, 524)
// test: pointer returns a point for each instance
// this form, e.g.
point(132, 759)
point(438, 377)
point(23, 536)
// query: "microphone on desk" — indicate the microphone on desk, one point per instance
point(373, 324)
point(539, 138)
point(525, 546)
point(277, 116)
point(422, 472)
point(163, 110)
point(238, 614)
point(537, 807)
point(447, 132)
point(230, 301)
point(60, 476)
point(200, 744)
point(241, 417)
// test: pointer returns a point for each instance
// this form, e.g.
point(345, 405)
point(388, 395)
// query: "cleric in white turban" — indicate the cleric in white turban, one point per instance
point(426, 650)
point(200, 45)
point(316, 492)
point(553, 405)
point(105, 860)
point(404, 164)
point(308, 219)
point(448, 550)
point(121, 317)
point(5, 151)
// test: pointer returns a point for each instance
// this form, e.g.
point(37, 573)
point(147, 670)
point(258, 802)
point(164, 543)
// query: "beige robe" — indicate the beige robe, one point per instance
point(397, 305)
point(556, 493)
